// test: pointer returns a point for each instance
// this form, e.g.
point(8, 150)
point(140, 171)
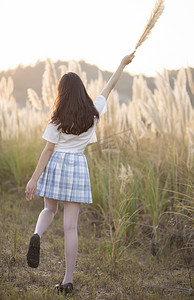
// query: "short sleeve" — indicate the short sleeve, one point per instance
point(51, 133)
point(101, 105)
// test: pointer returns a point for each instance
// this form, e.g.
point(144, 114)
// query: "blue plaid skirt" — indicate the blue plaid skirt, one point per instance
point(66, 177)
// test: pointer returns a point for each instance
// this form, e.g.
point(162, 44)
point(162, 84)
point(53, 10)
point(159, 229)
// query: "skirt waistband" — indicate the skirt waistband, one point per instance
point(67, 152)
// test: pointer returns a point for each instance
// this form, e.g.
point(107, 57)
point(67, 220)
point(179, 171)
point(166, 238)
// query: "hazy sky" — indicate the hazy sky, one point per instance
point(97, 31)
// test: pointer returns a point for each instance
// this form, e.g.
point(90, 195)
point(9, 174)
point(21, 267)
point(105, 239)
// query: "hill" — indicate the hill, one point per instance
point(31, 77)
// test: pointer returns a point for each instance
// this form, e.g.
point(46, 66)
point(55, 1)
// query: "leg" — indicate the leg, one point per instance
point(46, 216)
point(44, 220)
point(71, 213)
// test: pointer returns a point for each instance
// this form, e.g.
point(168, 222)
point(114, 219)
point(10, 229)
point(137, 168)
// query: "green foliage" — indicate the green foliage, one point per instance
point(18, 158)
point(128, 188)
point(152, 192)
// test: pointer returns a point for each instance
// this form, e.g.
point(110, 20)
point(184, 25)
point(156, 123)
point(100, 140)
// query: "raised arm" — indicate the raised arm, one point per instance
point(115, 77)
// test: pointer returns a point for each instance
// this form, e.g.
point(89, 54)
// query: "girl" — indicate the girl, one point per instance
point(62, 171)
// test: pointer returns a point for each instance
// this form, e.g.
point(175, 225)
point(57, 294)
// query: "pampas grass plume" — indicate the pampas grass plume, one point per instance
point(155, 15)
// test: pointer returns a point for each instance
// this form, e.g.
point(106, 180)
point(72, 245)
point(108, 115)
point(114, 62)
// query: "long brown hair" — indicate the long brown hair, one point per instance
point(73, 109)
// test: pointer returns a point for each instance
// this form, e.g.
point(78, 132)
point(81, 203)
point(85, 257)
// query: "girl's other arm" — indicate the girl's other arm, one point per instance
point(115, 77)
point(44, 158)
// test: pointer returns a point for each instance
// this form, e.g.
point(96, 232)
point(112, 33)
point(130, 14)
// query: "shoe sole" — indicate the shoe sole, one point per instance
point(34, 252)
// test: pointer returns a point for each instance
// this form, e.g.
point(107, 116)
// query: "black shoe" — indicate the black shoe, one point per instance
point(66, 288)
point(34, 251)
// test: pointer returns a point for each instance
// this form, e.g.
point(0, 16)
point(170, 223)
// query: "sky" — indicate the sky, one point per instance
point(100, 32)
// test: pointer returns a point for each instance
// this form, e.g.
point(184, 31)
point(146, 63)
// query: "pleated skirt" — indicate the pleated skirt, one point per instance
point(66, 178)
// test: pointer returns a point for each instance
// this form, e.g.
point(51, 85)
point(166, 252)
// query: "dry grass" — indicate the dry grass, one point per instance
point(155, 15)
point(138, 276)
point(140, 225)
point(167, 113)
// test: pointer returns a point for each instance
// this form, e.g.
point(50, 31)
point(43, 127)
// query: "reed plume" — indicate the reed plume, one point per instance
point(34, 99)
point(155, 15)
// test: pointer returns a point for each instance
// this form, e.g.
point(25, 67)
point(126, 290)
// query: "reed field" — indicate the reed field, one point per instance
point(136, 239)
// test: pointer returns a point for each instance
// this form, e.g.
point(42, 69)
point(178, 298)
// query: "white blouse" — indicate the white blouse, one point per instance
point(75, 143)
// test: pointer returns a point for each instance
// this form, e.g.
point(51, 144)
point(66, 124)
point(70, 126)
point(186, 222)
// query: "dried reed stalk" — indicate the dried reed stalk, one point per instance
point(155, 15)
point(190, 79)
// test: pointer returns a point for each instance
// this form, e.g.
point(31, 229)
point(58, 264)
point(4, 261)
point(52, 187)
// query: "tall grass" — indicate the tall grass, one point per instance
point(143, 159)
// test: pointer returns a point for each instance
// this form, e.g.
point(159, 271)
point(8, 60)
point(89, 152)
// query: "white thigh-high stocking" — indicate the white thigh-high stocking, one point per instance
point(46, 216)
point(71, 213)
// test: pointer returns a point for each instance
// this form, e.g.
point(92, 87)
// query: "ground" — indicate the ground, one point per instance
point(138, 275)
